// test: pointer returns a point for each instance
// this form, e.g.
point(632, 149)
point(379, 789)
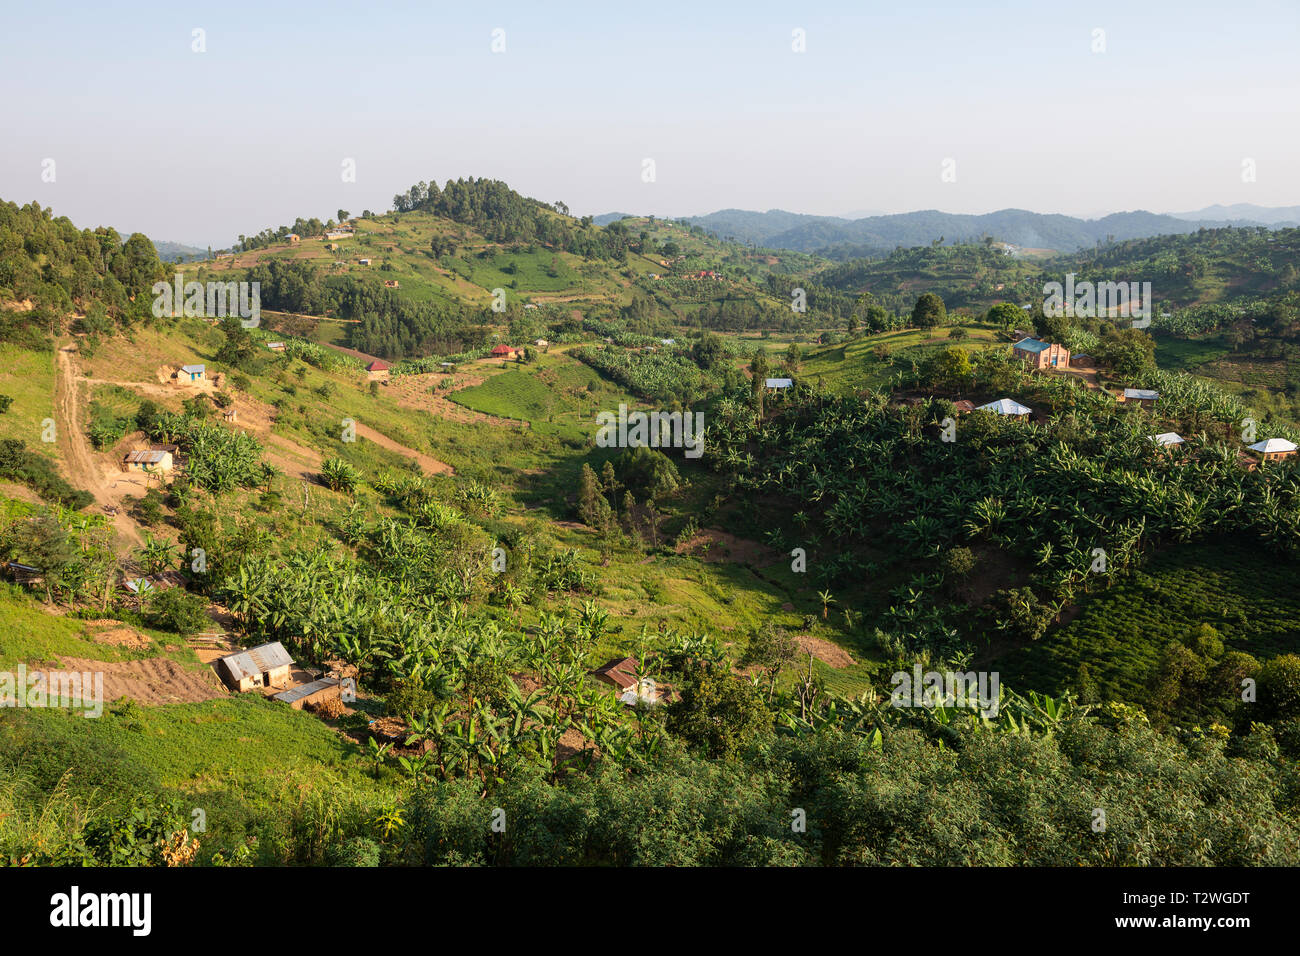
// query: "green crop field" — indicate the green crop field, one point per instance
point(1247, 594)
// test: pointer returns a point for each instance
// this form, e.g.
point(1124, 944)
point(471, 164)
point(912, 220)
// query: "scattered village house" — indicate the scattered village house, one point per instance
point(1167, 439)
point(1008, 408)
point(1146, 397)
point(391, 284)
point(1041, 354)
point(502, 351)
point(312, 693)
point(621, 674)
point(1273, 449)
point(154, 459)
point(275, 346)
point(191, 373)
point(151, 583)
point(266, 665)
point(377, 369)
point(778, 384)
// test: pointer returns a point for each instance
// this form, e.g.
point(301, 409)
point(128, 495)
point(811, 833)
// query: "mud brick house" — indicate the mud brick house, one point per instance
point(1039, 354)
point(266, 665)
point(1273, 449)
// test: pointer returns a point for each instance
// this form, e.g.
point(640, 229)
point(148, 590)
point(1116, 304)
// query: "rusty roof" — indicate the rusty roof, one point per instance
point(256, 660)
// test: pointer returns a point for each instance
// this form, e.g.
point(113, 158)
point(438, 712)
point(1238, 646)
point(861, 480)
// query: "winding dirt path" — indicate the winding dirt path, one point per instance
point(431, 465)
point(79, 458)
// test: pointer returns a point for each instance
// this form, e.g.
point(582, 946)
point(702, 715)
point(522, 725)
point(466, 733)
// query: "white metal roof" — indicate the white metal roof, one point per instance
point(191, 368)
point(1141, 393)
point(779, 382)
point(1167, 438)
point(1273, 445)
point(1006, 406)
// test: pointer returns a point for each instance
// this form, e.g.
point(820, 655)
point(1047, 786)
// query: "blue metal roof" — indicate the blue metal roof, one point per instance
point(1032, 345)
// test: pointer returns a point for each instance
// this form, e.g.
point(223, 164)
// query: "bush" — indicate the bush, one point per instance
point(175, 609)
point(357, 851)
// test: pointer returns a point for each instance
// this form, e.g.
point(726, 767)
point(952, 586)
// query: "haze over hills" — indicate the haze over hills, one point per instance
point(837, 235)
point(1246, 212)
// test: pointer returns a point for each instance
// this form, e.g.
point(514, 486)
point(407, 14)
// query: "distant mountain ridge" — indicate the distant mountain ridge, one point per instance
point(785, 230)
point(1244, 211)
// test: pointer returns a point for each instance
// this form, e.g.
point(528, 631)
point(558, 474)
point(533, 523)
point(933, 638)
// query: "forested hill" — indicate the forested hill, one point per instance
point(777, 229)
point(49, 268)
point(1204, 268)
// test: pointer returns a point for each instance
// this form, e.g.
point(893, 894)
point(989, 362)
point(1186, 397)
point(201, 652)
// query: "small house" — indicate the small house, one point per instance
point(621, 675)
point(294, 238)
point(338, 234)
point(24, 573)
point(1146, 397)
point(1083, 360)
point(152, 583)
point(364, 262)
point(1273, 449)
point(266, 665)
point(963, 406)
point(502, 351)
point(391, 284)
point(1008, 408)
point(275, 346)
point(1167, 439)
point(778, 384)
point(667, 341)
point(312, 693)
point(542, 343)
point(155, 459)
point(192, 373)
point(1041, 354)
point(378, 369)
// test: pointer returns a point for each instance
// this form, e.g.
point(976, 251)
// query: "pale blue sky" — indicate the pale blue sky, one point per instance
point(147, 134)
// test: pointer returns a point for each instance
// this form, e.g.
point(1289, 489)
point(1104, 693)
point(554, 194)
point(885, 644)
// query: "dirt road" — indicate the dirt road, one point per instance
point(432, 465)
point(79, 460)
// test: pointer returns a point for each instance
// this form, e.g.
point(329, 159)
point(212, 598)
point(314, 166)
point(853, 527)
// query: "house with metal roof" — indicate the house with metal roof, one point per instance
point(312, 693)
point(1008, 407)
point(266, 665)
point(1273, 449)
point(1167, 439)
point(192, 373)
point(156, 459)
point(1040, 354)
point(1146, 397)
point(778, 384)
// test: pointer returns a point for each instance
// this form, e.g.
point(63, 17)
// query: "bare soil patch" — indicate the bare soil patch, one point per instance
point(826, 652)
point(715, 546)
point(157, 680)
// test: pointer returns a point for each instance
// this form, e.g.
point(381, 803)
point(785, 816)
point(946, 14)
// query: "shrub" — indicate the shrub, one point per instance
point(175, 609)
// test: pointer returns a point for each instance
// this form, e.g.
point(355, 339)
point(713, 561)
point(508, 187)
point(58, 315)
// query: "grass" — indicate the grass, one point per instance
point(852, 366)
point(30, 635)
point(28, 378)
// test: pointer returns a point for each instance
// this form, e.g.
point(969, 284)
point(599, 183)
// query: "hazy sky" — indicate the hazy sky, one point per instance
point(147, 134)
